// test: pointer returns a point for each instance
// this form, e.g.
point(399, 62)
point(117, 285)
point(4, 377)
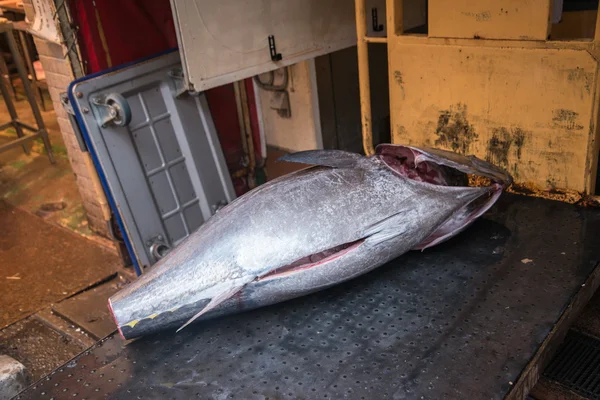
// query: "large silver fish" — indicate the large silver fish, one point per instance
point(309, 230)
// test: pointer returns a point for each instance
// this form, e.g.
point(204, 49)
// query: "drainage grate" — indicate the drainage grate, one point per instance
point(577, 365)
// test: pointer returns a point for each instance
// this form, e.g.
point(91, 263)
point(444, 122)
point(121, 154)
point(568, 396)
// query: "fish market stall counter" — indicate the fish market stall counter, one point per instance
point(476, 317)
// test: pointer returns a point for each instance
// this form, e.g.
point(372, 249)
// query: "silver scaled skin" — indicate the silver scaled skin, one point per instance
point(307, 231)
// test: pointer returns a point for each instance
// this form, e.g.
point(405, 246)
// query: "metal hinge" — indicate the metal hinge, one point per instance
point(179, 84)
point(64, 100)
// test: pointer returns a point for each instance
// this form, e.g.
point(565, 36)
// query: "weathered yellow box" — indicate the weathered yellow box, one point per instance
point(490, 19)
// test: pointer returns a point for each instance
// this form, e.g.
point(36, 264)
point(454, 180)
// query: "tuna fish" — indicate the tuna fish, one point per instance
point(341, 217)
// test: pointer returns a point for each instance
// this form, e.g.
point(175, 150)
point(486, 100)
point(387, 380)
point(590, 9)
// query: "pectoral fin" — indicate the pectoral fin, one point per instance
point(215, 301)
point(386, 229)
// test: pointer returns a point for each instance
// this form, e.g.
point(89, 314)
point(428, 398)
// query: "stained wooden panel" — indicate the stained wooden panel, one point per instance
point(529, 110)
point(490, 19)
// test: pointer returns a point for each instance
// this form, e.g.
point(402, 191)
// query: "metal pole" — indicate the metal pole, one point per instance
point(249, 135)
point(363, 76)
point(30, 95)
point(11, 107)
point(31, 68)
point(597, 29)
point(240, 115)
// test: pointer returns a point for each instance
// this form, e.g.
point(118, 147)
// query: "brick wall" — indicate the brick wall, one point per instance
point(58, 75)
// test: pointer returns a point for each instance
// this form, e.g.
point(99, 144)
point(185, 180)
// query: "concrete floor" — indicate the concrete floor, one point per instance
point(42, 263)
point(55, 274)
point(31, 183)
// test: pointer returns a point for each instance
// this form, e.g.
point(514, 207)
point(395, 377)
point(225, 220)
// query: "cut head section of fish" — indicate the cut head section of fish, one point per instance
point(439, 167)
point(445, 168)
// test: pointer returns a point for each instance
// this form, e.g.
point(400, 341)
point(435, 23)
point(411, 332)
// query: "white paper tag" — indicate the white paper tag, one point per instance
point(43, 25)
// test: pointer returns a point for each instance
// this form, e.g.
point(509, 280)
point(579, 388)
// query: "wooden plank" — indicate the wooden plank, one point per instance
point(530, 110)
point(491, 19)
point(546, 389)
point(580, 44)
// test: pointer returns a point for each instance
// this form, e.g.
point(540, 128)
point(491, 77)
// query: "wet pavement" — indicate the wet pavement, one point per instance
point(55, 273)
point(32, 183)
point(89, 309)
point(37, 346)
point(41, 263)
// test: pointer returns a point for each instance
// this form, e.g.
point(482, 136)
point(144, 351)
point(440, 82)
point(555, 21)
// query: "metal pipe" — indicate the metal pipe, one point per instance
point(363, 76)
point(597, 29)
point(9, 104)
point(20, 141)
point(240, 115)
point(31, 69)
point(248, 129)
point(261, 128)
point(376, 40)
point(30, 95)
point(26, 126)
point(394, 10)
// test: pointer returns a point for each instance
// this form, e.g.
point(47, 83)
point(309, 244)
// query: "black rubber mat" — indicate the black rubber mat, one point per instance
point(461, 320)
point(577, 365)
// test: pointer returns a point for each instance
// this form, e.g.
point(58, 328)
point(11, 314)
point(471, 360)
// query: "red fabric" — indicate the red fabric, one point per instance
point(88, 36)
point(132, 29)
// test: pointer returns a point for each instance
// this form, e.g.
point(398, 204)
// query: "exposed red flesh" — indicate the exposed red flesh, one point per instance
point(313, 260)
point(418, 167)
point(404, 164)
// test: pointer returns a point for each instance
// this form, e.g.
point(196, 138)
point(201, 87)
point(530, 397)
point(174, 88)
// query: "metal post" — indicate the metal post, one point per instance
point(23, 38)
point(394, 10)
point(30, 95)
point(11, 107)
point(597, 29)
point(363, 76)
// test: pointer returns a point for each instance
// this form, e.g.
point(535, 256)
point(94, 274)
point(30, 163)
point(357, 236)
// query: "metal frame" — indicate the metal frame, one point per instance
point(81, 94)
point(24, 38)
point(20, 127)
point(395, 31)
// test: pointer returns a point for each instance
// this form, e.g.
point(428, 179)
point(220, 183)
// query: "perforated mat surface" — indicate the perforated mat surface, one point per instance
point(461, 320)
